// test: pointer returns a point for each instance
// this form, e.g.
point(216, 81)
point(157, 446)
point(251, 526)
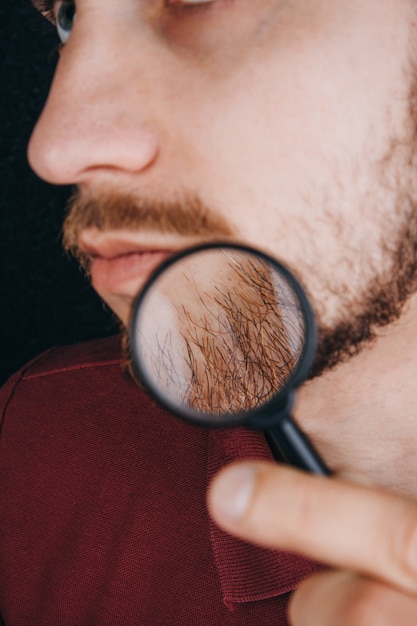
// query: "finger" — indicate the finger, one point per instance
point(349, 526)
point(345, 599)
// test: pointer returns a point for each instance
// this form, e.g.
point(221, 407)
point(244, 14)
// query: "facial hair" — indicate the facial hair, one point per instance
point(382, 300)
point(220, 331)
point(112, 211)
point(361, 315)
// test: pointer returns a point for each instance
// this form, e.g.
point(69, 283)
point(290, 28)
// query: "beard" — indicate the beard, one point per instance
point(362, 308)
point(221, 331)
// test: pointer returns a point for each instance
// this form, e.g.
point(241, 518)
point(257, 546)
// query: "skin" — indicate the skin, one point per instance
point(291, 122)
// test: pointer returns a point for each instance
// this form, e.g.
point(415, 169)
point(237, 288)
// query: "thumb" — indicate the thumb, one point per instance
point(348, 526)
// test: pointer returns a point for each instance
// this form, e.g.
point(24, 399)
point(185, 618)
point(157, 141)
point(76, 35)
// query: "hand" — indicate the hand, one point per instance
point(368, 537)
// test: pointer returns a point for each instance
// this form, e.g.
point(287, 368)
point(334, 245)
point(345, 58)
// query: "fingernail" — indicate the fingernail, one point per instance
point(232, 492)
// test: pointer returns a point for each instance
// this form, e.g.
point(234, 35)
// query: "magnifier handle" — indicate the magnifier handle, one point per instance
point(289, 443)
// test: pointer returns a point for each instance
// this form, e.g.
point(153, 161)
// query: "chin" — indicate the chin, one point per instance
point(120, 306)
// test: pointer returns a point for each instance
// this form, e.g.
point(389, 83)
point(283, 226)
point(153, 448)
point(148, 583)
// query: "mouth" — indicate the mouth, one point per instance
point(120, 262)
point(118, 265)
point(125, 274)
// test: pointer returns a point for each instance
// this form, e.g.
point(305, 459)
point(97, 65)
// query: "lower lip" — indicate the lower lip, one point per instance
point(126, 273)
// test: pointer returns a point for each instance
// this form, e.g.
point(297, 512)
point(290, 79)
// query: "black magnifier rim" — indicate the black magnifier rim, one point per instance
point(244, 418)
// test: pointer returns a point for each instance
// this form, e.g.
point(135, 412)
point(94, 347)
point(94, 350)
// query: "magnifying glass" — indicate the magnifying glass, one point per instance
point(222, 335)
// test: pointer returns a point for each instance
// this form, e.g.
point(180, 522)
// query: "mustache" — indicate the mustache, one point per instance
point(110, 210)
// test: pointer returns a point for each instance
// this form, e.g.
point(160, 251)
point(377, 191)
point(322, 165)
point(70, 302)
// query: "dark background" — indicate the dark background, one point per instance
point(45, 300)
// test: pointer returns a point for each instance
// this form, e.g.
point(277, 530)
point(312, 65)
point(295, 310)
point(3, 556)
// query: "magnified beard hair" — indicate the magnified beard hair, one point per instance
point(238, 347)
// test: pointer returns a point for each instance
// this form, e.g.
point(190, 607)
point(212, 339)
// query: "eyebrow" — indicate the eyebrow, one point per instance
point(43, 5)
point(46, 7)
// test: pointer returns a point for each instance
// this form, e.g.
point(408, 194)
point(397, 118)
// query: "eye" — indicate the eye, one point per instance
point(65, 16)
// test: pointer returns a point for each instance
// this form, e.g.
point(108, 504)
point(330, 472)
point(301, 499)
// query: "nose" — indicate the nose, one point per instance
point(98, 116)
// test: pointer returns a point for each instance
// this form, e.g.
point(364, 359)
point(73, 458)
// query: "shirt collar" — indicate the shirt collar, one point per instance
point(248, 573)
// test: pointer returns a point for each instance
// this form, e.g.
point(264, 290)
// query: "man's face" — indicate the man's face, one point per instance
point(285, 124)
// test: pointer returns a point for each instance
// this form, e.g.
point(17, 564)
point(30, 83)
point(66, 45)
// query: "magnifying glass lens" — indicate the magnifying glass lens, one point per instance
point(220, 332)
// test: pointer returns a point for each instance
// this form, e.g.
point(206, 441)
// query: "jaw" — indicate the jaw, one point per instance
point(361, 414)
point(121, 305)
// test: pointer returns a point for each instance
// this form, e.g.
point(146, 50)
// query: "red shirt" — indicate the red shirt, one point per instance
point(103, 518)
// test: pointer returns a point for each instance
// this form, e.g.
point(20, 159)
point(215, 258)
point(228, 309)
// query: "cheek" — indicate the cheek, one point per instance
point(283, 119)
point(309, 87)
point(222, 32)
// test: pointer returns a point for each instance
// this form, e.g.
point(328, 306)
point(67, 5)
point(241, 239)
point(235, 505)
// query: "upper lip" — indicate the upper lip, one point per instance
point(110, 246)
